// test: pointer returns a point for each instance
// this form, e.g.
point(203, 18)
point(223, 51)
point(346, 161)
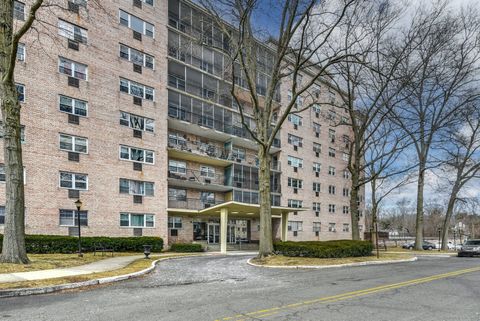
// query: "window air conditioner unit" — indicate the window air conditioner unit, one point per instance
point(317, 193)
point(73, 119)
point(295, 190)
point(295, 169)
point(137, 133)
point(137, 166)
point(137, 68)
point(239, 184)
point(72, 44)
point(316, 233)
point(317, 174)
point(137, 3)
point(73, 82)
point(74, 157)
point(295, 126)
point(137, 199)
point(317, 134)
point(317, 154)
point(295, 233)
point(137, 101)
point(295, 147)
point(317, 214)
point(73, 193)
point(137, 35)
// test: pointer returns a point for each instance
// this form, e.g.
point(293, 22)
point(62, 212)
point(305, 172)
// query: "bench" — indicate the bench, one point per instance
point(103, 248)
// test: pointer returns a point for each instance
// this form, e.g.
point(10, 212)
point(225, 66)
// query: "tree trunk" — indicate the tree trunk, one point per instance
point(354, 204)
point(448, 216)
point(419, 218)
point(266, 242)
point(13, 249)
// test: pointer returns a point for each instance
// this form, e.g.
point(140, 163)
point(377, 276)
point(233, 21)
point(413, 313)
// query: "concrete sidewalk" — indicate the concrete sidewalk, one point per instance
point(109, 264)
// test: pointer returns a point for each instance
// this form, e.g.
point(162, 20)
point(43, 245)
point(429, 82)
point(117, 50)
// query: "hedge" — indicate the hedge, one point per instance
point(326, 249)
point(186, 247)
point(46, 244)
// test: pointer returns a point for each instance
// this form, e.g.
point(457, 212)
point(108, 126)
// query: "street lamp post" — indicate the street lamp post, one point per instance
point(439, 241)
point(78, 204)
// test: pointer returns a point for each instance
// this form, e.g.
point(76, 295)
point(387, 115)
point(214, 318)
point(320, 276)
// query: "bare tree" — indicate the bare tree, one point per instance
point(297, 50)
point(13, 249)
point(462, 164)
point(447, 49)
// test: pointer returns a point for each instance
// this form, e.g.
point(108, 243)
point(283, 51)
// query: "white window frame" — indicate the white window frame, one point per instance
point(2, 212)
point(209, 171)
point(346, 209)
point(67, 30)
point(129, 148)
point(317, 167)
point(22, 86)
point(331, 170)
point(292, 203)
point(148, 123)
point(129, 84)
point(316, 187)
point(346, 227)
point(295, 140)
point(74, 106)
point(129, 23)
point(152, 216)
point(175, 222)
point(332, 189)
point(175, 164)
point(295, 226)
point(317, 226)
point(73, 180)
point(21, 56)
point(295, 119)
point(131, 189)
point(317, 148)
point(15, 11)
point(295, 183)
point(332, 152)
point(73, 143)
point(74, 217)
point(332, 227)
point(143, 54)
point(295, 161)
point(331, 208)
point(73, 68)
point(316, 206)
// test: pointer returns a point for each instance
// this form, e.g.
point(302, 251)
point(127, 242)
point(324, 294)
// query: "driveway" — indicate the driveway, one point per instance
point(226, 288)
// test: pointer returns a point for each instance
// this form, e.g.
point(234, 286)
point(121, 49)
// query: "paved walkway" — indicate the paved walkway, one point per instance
point(110, 264)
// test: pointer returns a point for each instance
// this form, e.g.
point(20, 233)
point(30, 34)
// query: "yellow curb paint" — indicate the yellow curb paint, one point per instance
point(349, 295)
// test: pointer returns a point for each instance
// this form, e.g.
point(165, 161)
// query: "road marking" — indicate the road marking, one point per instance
point(347, 295)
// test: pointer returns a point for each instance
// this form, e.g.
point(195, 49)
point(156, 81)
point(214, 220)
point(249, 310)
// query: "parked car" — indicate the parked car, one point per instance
point(470, 248)
point(426, 245)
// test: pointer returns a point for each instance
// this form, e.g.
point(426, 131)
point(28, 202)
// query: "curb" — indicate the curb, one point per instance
point(67, 286)
point(318, 267)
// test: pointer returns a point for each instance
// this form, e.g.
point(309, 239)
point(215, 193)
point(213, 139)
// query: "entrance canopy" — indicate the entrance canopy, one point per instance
point(235, 209)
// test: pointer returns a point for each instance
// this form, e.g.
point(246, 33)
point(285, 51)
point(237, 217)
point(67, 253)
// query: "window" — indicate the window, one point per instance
point(360, 228)
point(21, 52)
point(295, 119)
point(136, 89)
point(137, 122)
point(345, 157)
point(73, 181)
point(331, 208)
point(317, 148)
point(177, 166)
point(72, 68)
point(137, 57)
point(332, 227)
point(316, 108)
point(331, 189)
point(295, 140)
point(175, 222)
point(317, 167)
point(2, 172)
point(137, 220)
point(137, 24)
point(295, 162)
point(73, 106)
point(176, 139)
point(137, 154)
point(72, 32)
point(332, 115)
point(346, 227)
point(238, 153)
point(316, 187)
point(331, 152)
point(73, 143)
point(316, 207)
point(70, 218)
point(207, 171)
point(132, 187)
point(295, 226)
point(331, 170)
point(316, 128)
point(2, 215)
point(176, 194)
point(331, 135)
point(346, 192)
point(317, 226)
point(295, 203)
point(149, 2)
point(346, 174)
point(295, 183)
point(345, 210)
point(22, 132)
point(21, 92)
point(207, 197)
point(19, 10)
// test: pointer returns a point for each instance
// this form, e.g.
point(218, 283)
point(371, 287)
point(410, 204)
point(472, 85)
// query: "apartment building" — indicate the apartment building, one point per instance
point(124, 108)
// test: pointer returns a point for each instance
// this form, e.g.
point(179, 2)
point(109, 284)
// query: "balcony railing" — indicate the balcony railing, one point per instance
point(192, 203)
point(176, 112)
point(198, 176)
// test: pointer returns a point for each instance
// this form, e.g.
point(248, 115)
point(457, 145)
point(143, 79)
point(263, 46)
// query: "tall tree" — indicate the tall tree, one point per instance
point(462, 163)
point(446, 48)
point(296, 57)
point(13, 249)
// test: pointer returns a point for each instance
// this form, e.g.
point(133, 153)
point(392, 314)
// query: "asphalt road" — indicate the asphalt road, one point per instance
point(226, 288)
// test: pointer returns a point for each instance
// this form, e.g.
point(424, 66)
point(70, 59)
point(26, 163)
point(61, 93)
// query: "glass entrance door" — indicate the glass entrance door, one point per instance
point(231, 234)
point(213, 235)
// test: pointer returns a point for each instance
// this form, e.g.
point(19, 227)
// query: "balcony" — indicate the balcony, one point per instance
point(192, 203)
point(197, 179)
point(221, 130)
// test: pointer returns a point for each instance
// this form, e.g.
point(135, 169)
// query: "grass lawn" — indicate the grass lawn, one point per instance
point(292, 261)
point(55, 261)
point(135, 266)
